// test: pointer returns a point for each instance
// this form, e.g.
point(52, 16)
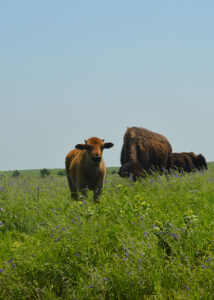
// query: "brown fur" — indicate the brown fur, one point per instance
point(85, 167)
point(152, 150)
point(198, 161)
point(182, 162)
point(131, 168)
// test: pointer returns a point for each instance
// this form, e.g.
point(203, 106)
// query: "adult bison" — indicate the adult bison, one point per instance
point(182, 162)
point(198, 161)
point(143, 151)
point(85, 167)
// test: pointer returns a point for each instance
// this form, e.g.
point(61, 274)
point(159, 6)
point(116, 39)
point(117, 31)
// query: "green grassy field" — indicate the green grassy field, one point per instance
point(153, 239)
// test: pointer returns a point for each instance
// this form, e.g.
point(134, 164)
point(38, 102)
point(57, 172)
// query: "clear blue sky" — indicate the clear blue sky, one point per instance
point(70, 70)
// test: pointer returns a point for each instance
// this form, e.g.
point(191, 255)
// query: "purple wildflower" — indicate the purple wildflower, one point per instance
point(76, 254)
point(90, 286)
point(13, 266)
point(1, 270)
point(38, 189)
point(1, 223)
point(11, 259)
point(182, 229)
point(63, 229)
point(126, 254)
point(139, 260)
point(175, 236)
point(145, 234)
point(105, 279)
point(205, 267)
point(78, 218)
point(130, 273)
point(125, 259)
point(57, 240)
point(187, 287)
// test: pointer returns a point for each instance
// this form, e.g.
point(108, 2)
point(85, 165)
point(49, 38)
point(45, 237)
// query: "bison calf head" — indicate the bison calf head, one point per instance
point(94, 147)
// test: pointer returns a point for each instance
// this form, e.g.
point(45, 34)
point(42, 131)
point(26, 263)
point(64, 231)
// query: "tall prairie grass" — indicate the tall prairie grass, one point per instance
point(152, 239)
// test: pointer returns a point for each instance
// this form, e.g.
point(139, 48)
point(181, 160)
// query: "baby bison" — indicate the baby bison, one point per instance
point(85, 167)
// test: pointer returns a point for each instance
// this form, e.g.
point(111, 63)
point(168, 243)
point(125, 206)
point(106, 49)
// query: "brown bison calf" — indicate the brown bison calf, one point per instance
point(149, 150)
point(85, 167)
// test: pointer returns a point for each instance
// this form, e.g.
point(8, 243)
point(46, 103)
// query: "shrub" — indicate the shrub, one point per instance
point(44, 172)
point(61, 173)
point(16, 173)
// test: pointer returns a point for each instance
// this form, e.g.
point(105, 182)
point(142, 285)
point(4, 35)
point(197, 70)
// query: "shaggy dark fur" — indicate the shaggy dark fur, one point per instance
point(182, 162)
point(198, 161)
point(152, 150)
point(133, 169)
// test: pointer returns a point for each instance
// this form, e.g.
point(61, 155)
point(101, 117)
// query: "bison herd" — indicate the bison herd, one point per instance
point(143, 152)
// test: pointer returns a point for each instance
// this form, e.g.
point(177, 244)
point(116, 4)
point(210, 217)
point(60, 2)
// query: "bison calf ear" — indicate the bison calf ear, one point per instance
point(80, 146)
point(108, 145)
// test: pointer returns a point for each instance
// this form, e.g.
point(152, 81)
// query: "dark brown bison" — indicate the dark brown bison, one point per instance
point(131, 168)
point(85, 167)
point(182, 162)
point(198, 161)
point(149, 149)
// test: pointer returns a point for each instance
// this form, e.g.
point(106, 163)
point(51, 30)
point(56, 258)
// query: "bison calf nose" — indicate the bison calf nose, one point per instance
point(96, 159)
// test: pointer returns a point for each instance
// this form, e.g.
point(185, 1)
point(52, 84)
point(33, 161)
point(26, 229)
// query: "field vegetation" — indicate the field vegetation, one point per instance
point(152, 239)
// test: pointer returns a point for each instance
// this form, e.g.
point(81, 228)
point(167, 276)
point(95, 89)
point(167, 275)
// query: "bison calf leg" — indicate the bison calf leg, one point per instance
point(73, 190)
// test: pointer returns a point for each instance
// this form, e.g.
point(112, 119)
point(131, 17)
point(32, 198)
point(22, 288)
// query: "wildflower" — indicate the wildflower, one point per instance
point(187, 287)
point(175, 236)
point(57, 240)
point(38, 189)
point(126, 254)
point(76, 254)
point(182, 229)
point(90, 286)
point(130, 273)
point(13, 266)
point(78, 218)
point(205, 267)
point(156, 229)
point(10, 260)
point(119, 186)
point(105, 279)
point(1, 223)
point(1, 270)
point(145, 234)
point(125, 259)
point(139, 260)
